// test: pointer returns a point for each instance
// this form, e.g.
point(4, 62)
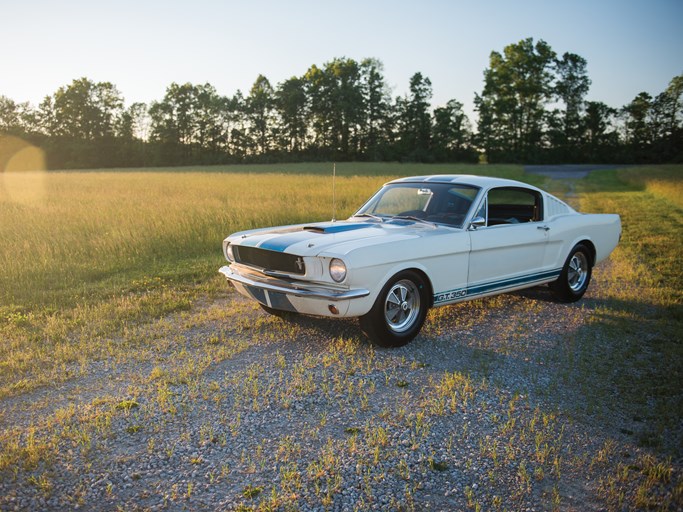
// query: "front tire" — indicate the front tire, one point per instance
point(575, 277)
point(399, 311)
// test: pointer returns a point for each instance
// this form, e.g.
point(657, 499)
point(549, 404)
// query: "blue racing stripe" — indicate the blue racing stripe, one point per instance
point(339, 227)
point(281, 302)
point(273, 300)
point(280, 243)
point(501, 284)
point(514, 281)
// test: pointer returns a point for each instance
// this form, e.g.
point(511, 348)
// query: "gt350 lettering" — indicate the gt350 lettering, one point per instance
point(456, 294)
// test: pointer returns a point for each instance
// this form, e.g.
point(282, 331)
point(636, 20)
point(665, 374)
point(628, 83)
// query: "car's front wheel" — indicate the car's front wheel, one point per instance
point(399, 311)
point(575, 277)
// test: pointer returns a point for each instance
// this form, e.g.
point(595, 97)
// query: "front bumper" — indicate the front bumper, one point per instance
point(290, 296)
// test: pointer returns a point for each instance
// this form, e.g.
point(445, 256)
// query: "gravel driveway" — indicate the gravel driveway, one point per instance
point(491, 407)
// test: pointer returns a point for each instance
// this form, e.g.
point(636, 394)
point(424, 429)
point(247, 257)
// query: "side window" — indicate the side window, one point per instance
point(511, 205)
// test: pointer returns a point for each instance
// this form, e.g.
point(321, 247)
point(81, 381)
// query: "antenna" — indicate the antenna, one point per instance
point(334, 198)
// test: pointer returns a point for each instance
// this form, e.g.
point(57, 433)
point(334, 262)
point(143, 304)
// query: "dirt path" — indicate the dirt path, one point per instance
point(493, 405)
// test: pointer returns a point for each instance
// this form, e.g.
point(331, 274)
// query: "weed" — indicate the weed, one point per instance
point(42, 483)
point(126, 405)
point(437, 466)
point(251, 491)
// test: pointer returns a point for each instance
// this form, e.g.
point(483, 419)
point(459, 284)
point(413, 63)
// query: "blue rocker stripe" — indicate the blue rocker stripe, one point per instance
point(501, 284)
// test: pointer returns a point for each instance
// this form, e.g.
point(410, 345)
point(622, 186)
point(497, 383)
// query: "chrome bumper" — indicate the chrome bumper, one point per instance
point(292, 289)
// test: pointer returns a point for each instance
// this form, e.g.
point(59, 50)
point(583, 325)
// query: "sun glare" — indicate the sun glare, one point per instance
point(22, 172)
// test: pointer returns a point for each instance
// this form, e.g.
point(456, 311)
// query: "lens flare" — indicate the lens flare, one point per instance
point(22, 172)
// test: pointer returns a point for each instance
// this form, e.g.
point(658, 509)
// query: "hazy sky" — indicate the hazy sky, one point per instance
point(142, 46)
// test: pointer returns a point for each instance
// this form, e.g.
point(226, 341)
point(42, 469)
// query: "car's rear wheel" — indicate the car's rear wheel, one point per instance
point(575, 276)
point(399, 311)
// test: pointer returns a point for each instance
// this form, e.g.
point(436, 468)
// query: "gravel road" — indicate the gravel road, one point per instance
point(230, 409)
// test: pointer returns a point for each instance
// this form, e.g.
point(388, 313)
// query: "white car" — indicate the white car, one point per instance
point(417, 243)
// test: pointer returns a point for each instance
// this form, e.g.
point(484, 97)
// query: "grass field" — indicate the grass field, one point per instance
point(91, 258)
point(81, 237)
point(97, 250)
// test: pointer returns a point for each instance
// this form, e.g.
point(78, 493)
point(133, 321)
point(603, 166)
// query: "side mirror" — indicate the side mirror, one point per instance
point(477, 222)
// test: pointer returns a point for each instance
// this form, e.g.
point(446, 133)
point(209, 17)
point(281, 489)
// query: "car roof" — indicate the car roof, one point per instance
point(464, 179)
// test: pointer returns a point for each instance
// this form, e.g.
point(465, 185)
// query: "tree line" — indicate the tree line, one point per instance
point(532, 109)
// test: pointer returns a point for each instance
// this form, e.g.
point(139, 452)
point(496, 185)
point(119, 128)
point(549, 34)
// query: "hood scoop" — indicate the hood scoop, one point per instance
point(337, 227)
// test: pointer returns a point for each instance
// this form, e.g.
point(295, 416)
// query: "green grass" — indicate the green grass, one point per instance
point(87, 254)
point(641, 316)
point(76, 237)
point(108, 267)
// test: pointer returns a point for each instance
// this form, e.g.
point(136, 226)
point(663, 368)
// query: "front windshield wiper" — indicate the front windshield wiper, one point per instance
point(371, 215)
point(416, 219)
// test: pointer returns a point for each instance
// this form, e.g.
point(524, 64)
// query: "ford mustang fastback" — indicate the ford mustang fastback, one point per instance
point(421, 242)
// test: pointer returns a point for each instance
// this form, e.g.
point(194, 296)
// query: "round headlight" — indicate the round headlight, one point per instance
point(337, 270)
point(229, 253)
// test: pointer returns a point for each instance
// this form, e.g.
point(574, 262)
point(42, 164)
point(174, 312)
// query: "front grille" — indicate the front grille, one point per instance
point(270, 260)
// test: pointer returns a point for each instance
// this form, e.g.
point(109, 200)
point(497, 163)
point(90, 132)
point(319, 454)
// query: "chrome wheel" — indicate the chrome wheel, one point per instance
point(402, 306)
point(575, 275)
point(577, 271)
point(399, 310)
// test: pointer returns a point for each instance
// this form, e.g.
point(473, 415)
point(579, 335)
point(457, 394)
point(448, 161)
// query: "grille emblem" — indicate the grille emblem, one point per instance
point(299, 264)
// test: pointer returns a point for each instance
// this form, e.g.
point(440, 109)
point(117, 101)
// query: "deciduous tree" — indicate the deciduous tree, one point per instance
point(517, 87)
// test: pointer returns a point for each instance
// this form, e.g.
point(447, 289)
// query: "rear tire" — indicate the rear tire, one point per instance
point(399, 311)
point(575, 277)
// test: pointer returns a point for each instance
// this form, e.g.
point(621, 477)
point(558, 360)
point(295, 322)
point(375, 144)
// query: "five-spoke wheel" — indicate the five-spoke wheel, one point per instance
point(399, 311)
point(575, 275)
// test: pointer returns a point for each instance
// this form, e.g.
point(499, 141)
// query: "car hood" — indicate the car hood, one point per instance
point(338, 237)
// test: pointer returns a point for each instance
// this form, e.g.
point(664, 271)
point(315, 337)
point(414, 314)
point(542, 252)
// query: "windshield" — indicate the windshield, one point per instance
point(440, 203)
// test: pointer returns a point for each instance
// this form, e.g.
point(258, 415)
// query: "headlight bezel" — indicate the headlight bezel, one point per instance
point(229, 253)
point(337, 269)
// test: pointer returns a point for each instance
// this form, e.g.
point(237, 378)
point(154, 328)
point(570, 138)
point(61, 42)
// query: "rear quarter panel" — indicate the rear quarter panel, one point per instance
point(602, 230)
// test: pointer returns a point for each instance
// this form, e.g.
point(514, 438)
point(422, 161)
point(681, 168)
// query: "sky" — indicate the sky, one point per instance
point(143, 46)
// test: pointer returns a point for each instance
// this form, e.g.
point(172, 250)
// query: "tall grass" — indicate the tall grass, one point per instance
point(89, 254)
point(650, 202)
point(97, 232)
point(87, 235)
point(640, 324)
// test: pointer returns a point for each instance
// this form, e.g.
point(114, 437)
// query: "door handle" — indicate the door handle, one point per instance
point(544, 228)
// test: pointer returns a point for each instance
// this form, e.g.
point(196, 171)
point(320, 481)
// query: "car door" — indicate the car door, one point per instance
point(508, 249)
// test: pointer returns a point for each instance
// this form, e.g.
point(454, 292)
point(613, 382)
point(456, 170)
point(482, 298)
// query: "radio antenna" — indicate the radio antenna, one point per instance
point(334, 198)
